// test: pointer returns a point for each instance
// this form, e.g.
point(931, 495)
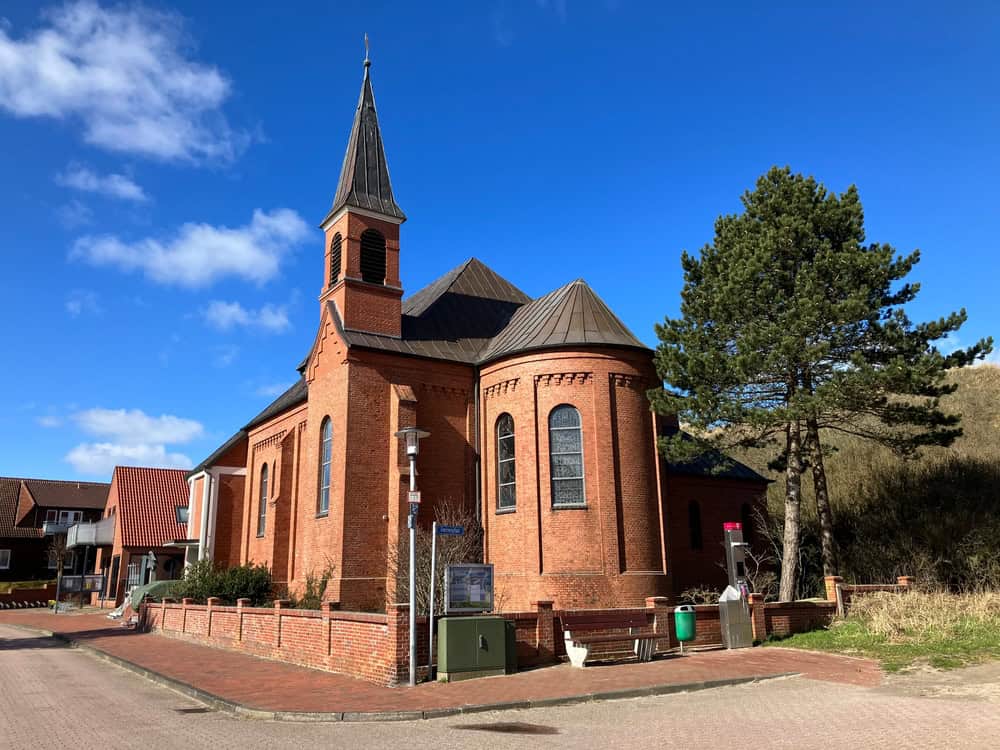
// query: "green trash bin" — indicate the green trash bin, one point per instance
point(684, 624)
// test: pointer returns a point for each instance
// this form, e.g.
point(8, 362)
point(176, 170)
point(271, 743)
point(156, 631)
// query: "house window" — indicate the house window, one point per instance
point(51, 516)
point(68, 559)
point(70, 516)
point(506, 475)
point(4, 559)
point(262, 504)
point(694, 524)
point(335, 252)
point(181, 513)
point(372, 257)
point(325, 458)
point(566, 457)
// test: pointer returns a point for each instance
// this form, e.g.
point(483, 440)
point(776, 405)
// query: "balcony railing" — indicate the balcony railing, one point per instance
point(97, 534)
point(56, 527)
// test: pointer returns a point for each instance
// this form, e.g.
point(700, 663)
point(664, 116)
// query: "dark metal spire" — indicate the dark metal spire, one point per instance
point(364, 178)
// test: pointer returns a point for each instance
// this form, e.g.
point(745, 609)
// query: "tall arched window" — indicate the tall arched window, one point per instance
point(335, 245)
point(325, 457)
point(262, 503)
point(506, 475)
point(694, 524)
point(372, 257)
point(566, 456)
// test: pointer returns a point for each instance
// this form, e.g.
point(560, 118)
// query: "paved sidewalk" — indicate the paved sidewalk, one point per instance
point(269, 686)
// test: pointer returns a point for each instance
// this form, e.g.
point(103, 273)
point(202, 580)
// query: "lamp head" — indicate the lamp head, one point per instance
point(411, 437)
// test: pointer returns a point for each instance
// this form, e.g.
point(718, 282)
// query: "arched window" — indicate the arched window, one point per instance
point(694, 524)
point(262, 503)
point(372, 257)
point(746, 518)
point(566, 456)
point(325, 457)
point(335, 244)
point(506, 475)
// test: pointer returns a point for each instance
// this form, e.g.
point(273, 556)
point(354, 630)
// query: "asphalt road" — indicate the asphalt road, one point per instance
point(55, 697)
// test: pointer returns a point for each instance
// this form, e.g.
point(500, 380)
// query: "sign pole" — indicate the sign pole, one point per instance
point(430, 617)
point(413, 573)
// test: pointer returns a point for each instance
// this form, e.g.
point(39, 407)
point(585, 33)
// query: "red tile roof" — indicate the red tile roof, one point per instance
point(147, 505)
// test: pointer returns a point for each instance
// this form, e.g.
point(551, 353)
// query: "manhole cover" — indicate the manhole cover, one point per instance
point(509, 727)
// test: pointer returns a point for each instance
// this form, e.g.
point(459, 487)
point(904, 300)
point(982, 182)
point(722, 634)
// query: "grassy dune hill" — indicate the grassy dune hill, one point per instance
point(931, 516)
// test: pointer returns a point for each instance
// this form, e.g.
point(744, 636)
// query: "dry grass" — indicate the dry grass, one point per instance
point(920, 616)
point(937, 628)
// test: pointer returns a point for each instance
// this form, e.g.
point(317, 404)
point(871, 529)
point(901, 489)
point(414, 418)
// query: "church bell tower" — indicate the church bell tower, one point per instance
point(361, 269)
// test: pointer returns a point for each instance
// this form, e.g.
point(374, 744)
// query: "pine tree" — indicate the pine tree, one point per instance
point(790, 325)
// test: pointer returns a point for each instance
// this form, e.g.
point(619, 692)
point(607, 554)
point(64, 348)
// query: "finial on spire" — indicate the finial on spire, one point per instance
point(367, 61)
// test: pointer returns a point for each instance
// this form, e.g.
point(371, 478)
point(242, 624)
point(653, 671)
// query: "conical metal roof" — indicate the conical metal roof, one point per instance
point(364, 177)
point(571, 315)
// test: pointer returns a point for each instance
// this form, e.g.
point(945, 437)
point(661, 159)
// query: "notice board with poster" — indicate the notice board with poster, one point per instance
point(468, 588)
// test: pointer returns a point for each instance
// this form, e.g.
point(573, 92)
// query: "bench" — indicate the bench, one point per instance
point(583, 631)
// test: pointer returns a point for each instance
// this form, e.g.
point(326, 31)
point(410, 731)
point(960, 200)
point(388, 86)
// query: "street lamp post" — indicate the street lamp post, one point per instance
point(411, 436)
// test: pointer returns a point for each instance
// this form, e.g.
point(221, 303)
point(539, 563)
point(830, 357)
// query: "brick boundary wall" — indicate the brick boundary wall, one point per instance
point(841, 594)
point(28, 596)
point(374, 647)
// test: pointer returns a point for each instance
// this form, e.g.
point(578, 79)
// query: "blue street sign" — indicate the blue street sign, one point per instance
point(451, 530)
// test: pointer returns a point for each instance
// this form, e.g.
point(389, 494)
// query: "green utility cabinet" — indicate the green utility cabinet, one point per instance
point(471, 647)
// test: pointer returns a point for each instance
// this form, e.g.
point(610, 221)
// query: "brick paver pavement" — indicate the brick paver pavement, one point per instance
point(58, 698)
point(275, 686)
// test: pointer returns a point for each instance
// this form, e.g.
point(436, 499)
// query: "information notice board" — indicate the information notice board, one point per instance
point(468, 588)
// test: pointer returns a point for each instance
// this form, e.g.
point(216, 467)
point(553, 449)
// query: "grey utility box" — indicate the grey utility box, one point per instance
point(471, 647)
point(734, 619)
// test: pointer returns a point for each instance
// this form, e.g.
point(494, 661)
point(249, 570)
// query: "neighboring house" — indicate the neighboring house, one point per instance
point(34, 512)
point(149, 511)
point(539, 420)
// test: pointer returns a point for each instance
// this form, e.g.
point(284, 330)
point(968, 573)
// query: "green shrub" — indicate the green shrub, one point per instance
point(203, 579)
point(312, 594)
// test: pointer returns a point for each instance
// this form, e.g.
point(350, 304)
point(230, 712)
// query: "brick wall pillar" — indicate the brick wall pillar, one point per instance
point(658, 606)
point(185, 603)
point(757, 618)
point(326, 610)
point(831, 587)
point(240, 604)
point(213, 601)
point(905, 582)
point(279, 604)
point(545, 630)
point(397, 654)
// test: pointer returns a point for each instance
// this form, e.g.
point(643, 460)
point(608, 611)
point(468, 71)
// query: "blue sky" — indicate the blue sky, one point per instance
point(164, 167)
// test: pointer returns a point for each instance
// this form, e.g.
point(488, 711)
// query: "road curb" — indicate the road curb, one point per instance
point(234, 708)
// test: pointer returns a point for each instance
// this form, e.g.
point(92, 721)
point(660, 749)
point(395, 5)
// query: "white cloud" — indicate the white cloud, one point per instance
point(102, 458)
point(133, 439)
point(200, 254)
point(50, 421)
point(225, 355)
point(127, 75)
point(135, 426)
point(273, 390)
point(74, 215)
point(228, 315)
point(82, 300)
point(114, 185)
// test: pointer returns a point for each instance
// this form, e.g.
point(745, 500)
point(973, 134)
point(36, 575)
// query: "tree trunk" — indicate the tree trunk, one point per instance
point(793, 501)
point(823, 510)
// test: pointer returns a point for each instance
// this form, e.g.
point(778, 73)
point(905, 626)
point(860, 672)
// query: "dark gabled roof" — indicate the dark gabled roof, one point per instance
point(217, 453)
point(571, 315)
point(364, 177)
point(712, 465)
point(46, 493)
point(294, 396)
point(50, 493)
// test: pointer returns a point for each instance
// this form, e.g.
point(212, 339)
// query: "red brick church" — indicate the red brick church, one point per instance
point(539, 422)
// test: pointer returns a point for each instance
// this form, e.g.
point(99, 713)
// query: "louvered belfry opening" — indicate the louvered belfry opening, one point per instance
point(335, 246)
point(372, 257)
